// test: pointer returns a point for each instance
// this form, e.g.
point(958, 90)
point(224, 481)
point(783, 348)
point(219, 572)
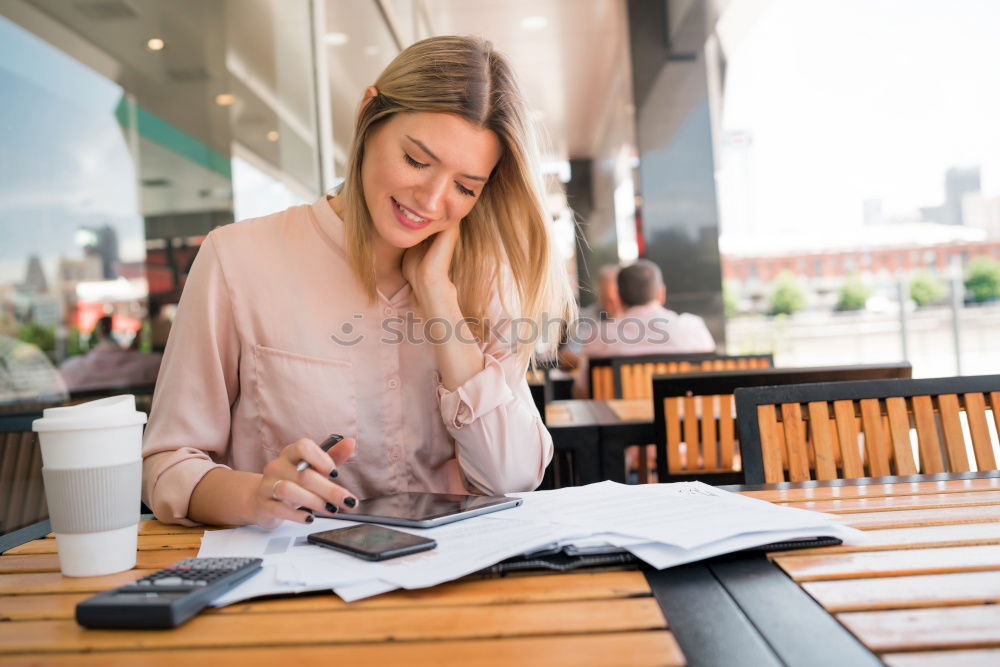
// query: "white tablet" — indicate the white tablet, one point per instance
point(423, 510)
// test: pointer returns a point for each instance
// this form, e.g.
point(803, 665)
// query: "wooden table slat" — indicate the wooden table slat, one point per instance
point(921, 517)
point(839, 506)
point(144, 543)
point(891, 563)
point(925, 629)
point(610, 649)
point(154, 527)
point(633, 409)
point(928, 590)
point(961, 658)
point(364, 625)
point(875, 490)
point(510, 590)
point(889, 539)
point(52, 582)
point(50, 562)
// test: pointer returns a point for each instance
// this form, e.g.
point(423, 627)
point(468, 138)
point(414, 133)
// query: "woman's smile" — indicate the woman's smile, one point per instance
point(407, 217)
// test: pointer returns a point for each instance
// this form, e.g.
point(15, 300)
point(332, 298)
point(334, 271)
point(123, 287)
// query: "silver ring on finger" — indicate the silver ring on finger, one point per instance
point(274, 490)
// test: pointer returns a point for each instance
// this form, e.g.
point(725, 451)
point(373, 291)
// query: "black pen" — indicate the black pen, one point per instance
point(330, 441)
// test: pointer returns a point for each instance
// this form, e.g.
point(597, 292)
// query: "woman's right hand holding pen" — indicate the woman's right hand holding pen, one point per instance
point(287, 493)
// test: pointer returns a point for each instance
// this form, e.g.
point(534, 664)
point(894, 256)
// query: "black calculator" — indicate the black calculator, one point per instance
point(168, 597)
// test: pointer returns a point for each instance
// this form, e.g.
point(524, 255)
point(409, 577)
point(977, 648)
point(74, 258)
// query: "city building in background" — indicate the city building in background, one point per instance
point(129, 131)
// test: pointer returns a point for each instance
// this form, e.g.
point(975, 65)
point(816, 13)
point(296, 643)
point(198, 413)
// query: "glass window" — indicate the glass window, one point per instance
point(358, 47)
point(135, 129)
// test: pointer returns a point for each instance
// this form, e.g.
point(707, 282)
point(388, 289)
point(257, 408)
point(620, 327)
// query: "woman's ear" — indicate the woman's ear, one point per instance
point(370, 93)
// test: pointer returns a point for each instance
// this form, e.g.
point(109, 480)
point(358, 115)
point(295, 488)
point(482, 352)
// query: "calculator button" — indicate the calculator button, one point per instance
point(169, 581)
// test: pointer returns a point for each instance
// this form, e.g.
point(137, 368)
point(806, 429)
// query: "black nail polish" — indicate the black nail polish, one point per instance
point(350, 502)
point(310, 518)
point(334, 474)
point(331, 508)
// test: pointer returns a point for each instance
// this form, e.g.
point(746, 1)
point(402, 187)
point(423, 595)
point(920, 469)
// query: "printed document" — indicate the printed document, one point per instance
point(662, 524)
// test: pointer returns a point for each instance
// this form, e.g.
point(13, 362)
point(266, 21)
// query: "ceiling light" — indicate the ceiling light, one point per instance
point(155, 44)
point(225, 99)
point(534, 22)
point(272, 135)
point(336, 38)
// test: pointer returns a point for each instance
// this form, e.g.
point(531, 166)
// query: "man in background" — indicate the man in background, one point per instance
point(607, 307)
point(108, 365)
point(645, 325)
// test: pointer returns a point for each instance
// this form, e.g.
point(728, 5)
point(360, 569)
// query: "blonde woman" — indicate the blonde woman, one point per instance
point(382, 313)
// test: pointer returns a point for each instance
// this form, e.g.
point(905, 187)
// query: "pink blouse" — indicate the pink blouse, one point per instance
point(253, 363)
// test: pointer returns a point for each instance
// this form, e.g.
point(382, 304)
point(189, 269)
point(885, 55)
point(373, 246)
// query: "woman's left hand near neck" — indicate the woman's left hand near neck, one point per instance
point(426, 266)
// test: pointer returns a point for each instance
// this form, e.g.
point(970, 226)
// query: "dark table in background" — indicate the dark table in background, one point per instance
point(597, 433)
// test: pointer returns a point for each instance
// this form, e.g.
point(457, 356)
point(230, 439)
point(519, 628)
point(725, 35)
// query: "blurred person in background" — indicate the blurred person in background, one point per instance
point(159, 326)
point(645, 325)
point(27, 375)
point(108, 365)
point(607, 307)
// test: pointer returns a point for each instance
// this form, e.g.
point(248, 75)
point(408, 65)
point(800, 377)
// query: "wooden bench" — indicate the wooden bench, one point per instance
point(632, 377)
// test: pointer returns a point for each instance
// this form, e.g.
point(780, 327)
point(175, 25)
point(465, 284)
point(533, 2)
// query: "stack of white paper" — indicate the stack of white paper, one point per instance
point(662, 524)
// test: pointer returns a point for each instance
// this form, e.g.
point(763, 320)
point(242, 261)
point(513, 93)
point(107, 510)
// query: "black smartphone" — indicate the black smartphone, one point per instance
point(372, 542)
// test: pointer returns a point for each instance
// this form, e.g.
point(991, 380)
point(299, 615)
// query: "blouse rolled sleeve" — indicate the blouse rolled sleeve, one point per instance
point(189, 424)
point(500, 441)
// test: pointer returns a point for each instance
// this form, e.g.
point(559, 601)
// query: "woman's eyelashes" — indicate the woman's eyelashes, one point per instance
point(413, 163)
point(421, 165)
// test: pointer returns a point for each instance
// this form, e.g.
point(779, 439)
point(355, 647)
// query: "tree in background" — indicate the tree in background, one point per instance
point(730, 298)
point(853, 294)
point(787, 294)
point(982, 281)
point(926, 289)
point(40, 336)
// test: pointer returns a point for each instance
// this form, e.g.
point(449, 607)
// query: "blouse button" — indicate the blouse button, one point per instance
point(394, 454)
point(393, 383)
point(387, 311)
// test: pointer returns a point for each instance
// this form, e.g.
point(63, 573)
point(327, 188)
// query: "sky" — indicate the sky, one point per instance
point(847, 100)
point(64, 161)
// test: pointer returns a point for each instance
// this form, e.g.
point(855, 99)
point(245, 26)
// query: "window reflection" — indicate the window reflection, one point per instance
point(126, 136)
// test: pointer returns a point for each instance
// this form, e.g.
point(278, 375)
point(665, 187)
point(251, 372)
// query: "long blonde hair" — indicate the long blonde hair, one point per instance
point(505, 241)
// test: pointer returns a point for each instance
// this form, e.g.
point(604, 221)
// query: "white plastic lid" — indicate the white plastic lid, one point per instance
point(111, 412)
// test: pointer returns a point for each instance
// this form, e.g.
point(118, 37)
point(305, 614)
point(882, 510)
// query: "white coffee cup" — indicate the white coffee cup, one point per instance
point(92, 469)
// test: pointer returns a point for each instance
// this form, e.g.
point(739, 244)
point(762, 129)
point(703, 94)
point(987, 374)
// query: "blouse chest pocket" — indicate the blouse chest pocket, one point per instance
point(300, 396)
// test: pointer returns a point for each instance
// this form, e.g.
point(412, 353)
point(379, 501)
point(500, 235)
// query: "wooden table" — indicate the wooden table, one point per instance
point(924, 591)
point(556, 619)
point(597, 433)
